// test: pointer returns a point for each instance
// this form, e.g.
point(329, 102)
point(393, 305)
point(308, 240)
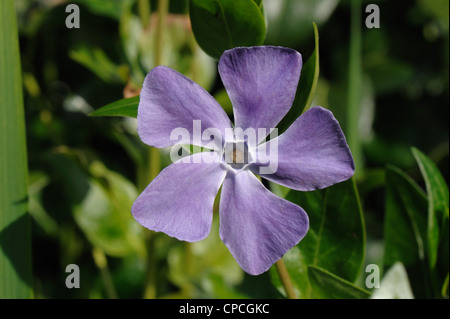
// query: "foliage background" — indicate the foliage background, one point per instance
point(85, 172)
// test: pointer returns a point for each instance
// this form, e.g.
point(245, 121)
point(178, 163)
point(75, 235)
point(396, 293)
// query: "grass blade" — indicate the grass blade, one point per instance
point(15, 237)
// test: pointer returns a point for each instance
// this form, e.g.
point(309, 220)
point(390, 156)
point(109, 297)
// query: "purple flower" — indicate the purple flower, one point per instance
point(257, 226)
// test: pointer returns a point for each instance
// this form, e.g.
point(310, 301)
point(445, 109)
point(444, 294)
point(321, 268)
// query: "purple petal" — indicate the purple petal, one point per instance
point(261, 83)
point(258, 227)
point(179, 201)
point(168, 101)
point(312, 153)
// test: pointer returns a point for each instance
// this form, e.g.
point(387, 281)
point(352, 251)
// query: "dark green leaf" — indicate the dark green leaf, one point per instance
point(219, 25)
point(124, 107)
point(15, 230)
point(329, 286)
point(306, 87)
point(405, 228)
point(437, 188)
point(437, 192)
point(335, 240)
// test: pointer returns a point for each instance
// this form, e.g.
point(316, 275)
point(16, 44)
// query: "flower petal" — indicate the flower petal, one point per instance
point(169, 101)
point(261, 83)
point(257, 226)
point(312, 153)
point(179, 201)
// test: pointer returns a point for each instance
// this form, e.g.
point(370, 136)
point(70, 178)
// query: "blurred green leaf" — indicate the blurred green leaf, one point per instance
point(438, 202)
point(306, 86)
point(100, 201)
point(329, 286)
point(444, 289)
point(289, 20)
point(394, 285)
point(405, 228)
point(205, 268)
point(110, 9)
point(335, 240)
point(438, 9)
point(123, 107)
point(219, 25)
point(96, 60)
point(105, 213)
point(15, 230)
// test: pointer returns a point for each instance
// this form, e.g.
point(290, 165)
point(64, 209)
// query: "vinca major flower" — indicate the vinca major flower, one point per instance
point(257, 226)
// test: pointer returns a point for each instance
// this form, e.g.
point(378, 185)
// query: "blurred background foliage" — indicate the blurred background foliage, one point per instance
point(86, 172)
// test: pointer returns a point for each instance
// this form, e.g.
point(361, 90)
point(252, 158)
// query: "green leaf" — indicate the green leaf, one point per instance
point(96, 60)
point(329, 286)
point(219, 25)
point(289, 20)
point(438, 202)
point(205, 268)
point(100, 201)
point(335, 240)
point(15, 230)
point(110, 9)
point(306, 87)
point(394, 285)
point(405, 228)
point(104, 214)
point(444, 289)
point(437, 188)
point(123, 107)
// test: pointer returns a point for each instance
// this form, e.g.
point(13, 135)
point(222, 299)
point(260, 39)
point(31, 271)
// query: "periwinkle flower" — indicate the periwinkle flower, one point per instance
point(257, 226)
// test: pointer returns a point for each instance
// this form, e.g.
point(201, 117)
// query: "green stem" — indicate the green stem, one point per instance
point(144, 12)
point(285, 279)
point(354, 85)
point(163, 8)
point(102, 264)
point(154, 161)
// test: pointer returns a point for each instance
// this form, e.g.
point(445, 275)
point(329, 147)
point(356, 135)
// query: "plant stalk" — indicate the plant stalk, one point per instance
point(285, 279)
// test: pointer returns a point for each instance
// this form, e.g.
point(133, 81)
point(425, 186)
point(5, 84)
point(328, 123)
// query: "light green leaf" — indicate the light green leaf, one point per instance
point(329, 286)
point(15, 230)
point(335, 240)
point(394, 285)
point(306, 87)
point(405, 228)
point(219, 25)
point(123, 107)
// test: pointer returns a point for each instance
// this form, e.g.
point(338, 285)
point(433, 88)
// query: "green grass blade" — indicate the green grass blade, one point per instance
point(15, 237)
point(123, 107)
